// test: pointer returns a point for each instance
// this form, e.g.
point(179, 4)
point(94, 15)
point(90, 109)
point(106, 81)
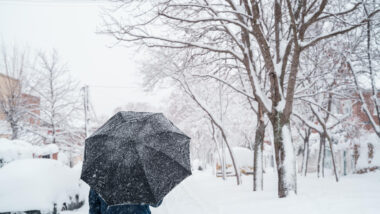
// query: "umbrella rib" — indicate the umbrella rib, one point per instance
point(147, 180)
point(163, 153)
point(93, 161)
point(165, 132)
point(103, 153)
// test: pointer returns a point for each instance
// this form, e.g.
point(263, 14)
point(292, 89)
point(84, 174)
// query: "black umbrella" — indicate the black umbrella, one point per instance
point(136, 158)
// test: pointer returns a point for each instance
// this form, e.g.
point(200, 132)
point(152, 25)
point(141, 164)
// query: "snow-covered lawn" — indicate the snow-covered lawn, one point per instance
point(202, 193)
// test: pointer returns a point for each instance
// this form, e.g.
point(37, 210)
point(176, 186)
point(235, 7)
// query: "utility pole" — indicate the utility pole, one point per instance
point(86, 109)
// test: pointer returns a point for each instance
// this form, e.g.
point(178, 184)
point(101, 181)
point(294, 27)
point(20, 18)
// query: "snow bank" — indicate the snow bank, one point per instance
point(63, 158)
point(11, 150)
point(36, 184)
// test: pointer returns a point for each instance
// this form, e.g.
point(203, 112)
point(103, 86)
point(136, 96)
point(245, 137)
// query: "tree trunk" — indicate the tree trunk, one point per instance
point(306, 153)
point(261, 180)
point(284, 153)
point(14, 128)
point(321, 154)
point(237, 171)
point(223, 163)
point(333, 159)
point(218, 150)
point(257, 155)
point(323, 157)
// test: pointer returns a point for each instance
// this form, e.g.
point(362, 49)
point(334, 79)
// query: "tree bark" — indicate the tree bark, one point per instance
point(306, 153)
point(14, 128)
point(333, 158)
point(321, 155)
point(284, 155)
point(258, 153)
point(218, 151)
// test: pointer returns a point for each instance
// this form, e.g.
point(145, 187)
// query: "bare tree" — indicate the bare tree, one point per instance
point(14, 102)
point(59, 102)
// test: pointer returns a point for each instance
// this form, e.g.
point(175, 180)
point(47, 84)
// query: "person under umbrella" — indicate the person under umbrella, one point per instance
point(99, 206)
point(133, 161)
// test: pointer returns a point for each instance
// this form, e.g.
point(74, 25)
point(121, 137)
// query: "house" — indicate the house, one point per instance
point(358, 147)
point(49, 151)
point(11, 86)
point(358, 113)
point(363, 138)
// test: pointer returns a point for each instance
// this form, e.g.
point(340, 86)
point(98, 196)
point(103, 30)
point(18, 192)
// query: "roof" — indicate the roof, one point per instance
point(8, 77)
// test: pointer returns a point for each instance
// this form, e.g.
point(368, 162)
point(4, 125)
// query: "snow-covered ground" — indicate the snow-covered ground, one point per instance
point(202, 193)
point(36, 184)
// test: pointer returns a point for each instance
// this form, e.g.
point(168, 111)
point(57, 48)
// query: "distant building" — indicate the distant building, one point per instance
point(360, 140)
point(358, 113)
point(9, 86)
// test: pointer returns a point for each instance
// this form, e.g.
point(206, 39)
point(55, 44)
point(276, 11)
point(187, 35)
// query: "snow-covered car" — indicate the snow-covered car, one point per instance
point(41, 185)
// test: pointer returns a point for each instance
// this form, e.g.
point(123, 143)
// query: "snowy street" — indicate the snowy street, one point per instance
point(202, 193)
point(189, 107)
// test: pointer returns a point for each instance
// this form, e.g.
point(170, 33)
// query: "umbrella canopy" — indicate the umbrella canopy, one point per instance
point(136, 158)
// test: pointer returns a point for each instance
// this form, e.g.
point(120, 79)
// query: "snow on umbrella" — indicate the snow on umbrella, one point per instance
point(136, 158)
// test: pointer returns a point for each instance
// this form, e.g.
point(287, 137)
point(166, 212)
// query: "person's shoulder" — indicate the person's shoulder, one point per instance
point(158, 204)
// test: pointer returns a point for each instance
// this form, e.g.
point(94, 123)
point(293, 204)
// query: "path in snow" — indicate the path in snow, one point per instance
point(202, 193)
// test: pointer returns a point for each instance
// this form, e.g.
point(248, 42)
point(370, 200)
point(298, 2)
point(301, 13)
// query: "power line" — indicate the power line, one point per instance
point(114, 87)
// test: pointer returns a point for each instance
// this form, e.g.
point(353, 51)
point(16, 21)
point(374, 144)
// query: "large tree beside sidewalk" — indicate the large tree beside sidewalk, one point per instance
point(264, 38)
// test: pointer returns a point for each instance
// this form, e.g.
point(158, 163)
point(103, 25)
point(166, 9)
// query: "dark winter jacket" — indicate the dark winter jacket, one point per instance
point(99, 206)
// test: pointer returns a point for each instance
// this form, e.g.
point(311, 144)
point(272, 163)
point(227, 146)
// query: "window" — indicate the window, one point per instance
point(346, 107)
point(45, 156)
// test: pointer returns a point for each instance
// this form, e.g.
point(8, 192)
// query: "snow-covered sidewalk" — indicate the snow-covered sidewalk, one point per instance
point(202, 193)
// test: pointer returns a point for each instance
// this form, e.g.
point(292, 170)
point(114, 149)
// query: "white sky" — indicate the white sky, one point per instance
point(70, 27)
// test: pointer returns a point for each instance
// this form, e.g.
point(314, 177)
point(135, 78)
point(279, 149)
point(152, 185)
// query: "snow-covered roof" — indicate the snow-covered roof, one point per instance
point(35, 184)
point(11, 150)
point(4, 128)
point(47, 149)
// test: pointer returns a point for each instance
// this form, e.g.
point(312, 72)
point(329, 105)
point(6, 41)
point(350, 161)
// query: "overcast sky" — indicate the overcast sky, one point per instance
point(70, 27)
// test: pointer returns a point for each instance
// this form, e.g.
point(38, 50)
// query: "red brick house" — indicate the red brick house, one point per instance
point(7, 85)
point(359, 114)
